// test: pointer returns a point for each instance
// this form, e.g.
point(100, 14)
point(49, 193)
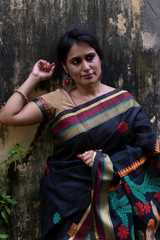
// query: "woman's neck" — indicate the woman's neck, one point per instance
point(82, 95)
point(89, 90)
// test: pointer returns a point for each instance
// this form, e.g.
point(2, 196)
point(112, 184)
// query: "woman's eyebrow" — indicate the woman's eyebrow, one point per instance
point(74, 58)
point(77, 57)
point(90, 53)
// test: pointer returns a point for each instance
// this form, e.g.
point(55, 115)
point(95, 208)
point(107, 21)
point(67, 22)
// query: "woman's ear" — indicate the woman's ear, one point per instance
point(64, 67)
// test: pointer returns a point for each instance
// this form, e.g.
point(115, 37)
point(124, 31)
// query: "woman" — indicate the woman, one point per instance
point(102, 181)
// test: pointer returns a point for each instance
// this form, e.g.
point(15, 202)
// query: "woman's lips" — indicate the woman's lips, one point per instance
point(87, 75)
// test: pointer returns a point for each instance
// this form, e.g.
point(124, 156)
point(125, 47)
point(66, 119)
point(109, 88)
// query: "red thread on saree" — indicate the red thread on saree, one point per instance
point(122, 127)
point(92, 193)
point(47, 169)
point(72, 229)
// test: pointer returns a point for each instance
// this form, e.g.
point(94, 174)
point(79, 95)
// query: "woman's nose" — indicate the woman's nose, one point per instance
point(85, 66)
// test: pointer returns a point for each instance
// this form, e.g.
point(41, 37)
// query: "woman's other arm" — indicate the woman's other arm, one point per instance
point(16, 111)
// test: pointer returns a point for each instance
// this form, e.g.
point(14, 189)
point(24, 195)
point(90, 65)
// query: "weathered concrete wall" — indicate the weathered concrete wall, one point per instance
point(129, 32)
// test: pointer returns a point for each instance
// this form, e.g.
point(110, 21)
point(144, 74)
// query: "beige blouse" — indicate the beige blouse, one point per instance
point(51, 104)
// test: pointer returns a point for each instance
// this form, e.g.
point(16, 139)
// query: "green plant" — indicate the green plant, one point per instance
point(3, 236)
point(16, 155)
point(5, 209)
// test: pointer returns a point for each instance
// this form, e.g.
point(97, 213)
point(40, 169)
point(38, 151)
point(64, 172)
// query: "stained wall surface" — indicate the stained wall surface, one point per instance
point(129, 32)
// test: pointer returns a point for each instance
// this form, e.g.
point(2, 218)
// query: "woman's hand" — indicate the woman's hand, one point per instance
point(43, 70)
point(87, 157)
point(16, 112)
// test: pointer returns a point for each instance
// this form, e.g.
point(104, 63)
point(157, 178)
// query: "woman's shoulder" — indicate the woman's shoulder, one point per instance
point(58, 92)
point(108, 89)
point(113, 90)
point(120, 94)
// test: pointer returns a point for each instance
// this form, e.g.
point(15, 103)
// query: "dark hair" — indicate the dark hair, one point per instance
point(77, 35)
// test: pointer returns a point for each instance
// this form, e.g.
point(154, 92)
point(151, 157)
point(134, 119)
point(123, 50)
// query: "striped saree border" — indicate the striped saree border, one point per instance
point(96, 118)
point(90, 110)
point(86, 107)
point(77, 128)
point(103, 222)
point(83, 228)
point(96, 222)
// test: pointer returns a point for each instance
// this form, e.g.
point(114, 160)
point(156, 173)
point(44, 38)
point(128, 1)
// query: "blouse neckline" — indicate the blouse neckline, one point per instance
point(94, 99)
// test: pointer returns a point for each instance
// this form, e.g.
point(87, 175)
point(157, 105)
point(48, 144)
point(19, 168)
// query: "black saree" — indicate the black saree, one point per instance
point(119, 198)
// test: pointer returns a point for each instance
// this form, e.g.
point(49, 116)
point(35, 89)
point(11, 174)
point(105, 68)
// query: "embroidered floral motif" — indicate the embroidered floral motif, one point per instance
point(149, 185)
point(122, 232)
point(122, 127)
point(157, 195)
point(147, 208)
point(47, 169)
point(56, 218)
point(140, 209)
point(127, 188)
point(122, 207)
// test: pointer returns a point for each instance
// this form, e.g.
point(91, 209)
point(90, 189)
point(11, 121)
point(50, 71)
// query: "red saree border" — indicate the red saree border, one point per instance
point(83, 226)
point(92, 109)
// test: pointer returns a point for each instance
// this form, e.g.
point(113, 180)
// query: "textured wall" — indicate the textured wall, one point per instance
point(129, 33)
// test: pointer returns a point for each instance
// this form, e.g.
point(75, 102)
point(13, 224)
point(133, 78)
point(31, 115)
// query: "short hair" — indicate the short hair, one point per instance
point(76, 35)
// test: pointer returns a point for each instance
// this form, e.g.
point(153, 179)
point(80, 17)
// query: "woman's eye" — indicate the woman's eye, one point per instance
point(90, 57)
point(76, 61)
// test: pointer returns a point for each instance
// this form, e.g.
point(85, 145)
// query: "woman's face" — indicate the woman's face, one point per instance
point(83, 64)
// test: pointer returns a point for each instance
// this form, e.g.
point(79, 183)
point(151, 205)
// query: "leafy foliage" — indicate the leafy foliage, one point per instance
point(5, 209)
point(16, 155)
point(3, 236)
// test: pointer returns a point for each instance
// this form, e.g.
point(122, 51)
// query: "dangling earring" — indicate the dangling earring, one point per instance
point(67, 82)
point(100, 75)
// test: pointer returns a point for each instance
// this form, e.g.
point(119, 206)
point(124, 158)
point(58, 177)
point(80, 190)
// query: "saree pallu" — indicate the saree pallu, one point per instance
point(119, 197)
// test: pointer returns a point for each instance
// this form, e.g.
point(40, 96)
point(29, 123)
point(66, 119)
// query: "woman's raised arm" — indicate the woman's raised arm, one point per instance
point(17, 111)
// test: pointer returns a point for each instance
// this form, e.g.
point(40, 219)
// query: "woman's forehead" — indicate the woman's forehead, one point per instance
point(79, 49)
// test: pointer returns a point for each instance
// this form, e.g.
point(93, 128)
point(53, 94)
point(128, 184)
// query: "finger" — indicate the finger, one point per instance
point(82, 155)
point(86, 158)
point(47, 65)
point(88, 161)
point(88, 155)
point(53, 64)
point(41, 62)
point(91, 164)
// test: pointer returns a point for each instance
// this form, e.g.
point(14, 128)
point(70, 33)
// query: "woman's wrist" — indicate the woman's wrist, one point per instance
point(28, 86)
point(34, 78)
